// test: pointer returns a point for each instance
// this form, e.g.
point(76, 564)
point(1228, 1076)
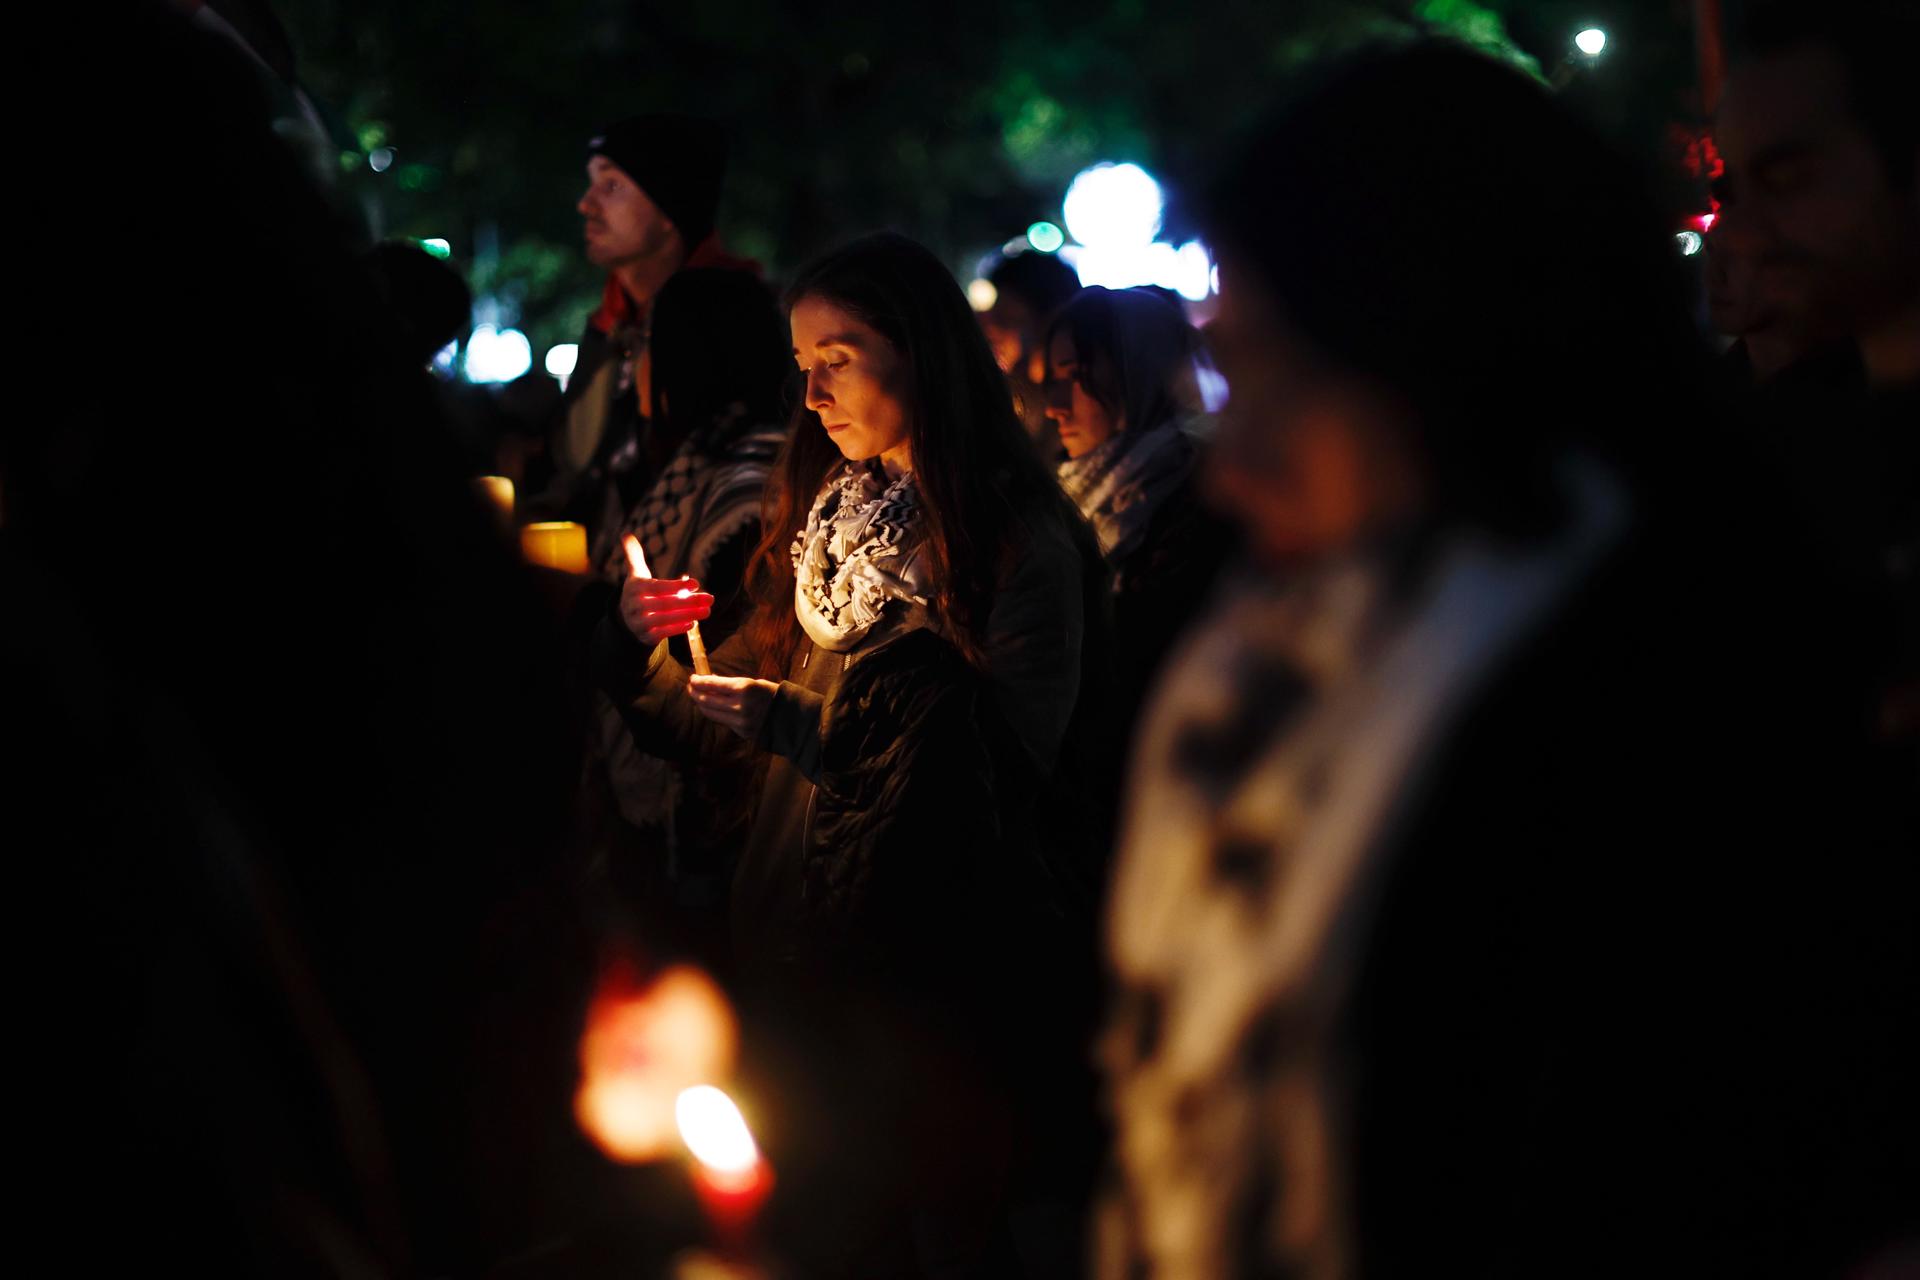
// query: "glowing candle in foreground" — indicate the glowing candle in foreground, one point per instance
point(557, 544)
point(637, 558)
point(646, 1042)
point(728, 1172)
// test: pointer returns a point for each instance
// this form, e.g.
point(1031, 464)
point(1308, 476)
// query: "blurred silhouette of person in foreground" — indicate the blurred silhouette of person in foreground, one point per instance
point(1820, 209)
point(1496, 888)
point(296, 755)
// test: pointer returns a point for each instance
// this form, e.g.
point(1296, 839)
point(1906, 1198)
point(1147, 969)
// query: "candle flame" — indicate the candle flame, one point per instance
point(636, 557)
point(715, 1131)
point(643, 1047)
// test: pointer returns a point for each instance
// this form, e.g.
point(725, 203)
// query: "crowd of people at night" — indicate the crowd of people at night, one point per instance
point(1452, 806)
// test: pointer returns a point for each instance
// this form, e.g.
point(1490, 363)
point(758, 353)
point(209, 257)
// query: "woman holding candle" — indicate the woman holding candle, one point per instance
point(909, 506)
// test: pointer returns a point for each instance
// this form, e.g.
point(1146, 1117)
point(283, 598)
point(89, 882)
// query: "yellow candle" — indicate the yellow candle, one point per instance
point(497, 490)
point(558, 544)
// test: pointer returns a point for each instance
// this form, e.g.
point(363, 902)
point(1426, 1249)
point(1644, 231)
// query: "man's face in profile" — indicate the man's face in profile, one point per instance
point(1807, 205)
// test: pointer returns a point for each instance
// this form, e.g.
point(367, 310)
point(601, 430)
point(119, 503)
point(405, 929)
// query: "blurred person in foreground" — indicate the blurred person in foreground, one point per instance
point(1028, 289)
point(1820, 205)
point(1494, 893)
point(1123, 394)
point(295, 751)
point(1761, 345)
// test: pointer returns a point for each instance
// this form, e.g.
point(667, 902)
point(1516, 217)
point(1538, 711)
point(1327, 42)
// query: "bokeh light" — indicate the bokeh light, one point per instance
point(497, 355)
point(1591, 41)
point(1046, 237)
point(1114, 206)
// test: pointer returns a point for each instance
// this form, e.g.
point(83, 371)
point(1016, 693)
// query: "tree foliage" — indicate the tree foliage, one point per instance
point(959, 125)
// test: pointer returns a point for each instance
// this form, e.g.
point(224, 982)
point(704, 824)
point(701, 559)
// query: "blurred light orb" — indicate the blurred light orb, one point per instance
point(981, 295)
point(561, 358)
point(380, 159)
point(1115, 206)
point(1689, 242)
point(1187, 270)
point(1193, 272)
point(442, 362)
point(497, 355)
point(437, 247)
point(1046, 237)
point(714, 1130)
point(1591, 41)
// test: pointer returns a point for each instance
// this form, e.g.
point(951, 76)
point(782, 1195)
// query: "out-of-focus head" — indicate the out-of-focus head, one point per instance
point(1028, 289)
point(653, 188)
point(427, 301)
point(1819, 128)
point(1118, 360)
point(1736, 309)
point(716, 342)
point(1434, 284)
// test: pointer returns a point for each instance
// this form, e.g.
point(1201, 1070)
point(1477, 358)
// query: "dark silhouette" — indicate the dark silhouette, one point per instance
point(296, 755)
point(1504, 885)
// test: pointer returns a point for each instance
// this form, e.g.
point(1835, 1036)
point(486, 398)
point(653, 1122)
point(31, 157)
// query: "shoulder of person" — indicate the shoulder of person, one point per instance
point(1040, 538)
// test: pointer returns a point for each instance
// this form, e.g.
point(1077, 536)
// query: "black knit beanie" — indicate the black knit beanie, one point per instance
point(678, 161)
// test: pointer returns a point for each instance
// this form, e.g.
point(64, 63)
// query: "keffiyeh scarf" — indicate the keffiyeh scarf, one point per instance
point(855, 554)
point(1119, 485)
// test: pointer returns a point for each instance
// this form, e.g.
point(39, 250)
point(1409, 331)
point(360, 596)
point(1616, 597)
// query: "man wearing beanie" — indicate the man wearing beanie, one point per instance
point(653, 187)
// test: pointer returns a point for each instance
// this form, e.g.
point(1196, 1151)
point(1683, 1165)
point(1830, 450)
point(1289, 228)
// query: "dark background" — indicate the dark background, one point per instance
point(960, 126)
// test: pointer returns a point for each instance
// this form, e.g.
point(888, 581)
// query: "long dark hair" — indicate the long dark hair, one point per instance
point(977, 474)
point(1134, 354)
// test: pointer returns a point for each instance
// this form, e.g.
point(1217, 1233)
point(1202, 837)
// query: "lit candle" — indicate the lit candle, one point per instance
point(558, 544)
point(497, 490)
point(646, 1042)
point(638, 559)
point(729, 1175)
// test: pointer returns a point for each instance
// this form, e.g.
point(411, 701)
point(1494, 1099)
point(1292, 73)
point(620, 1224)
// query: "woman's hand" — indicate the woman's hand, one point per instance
point(739, 703)
point(655, 608)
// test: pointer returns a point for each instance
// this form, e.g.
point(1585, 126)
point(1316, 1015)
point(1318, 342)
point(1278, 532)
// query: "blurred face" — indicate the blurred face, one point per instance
point(621, 224)
point(1806, 204)
point(856, 382)
point(1309, 457)
point(1083, 422)
point(1009, 325)
point(1737, 311)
